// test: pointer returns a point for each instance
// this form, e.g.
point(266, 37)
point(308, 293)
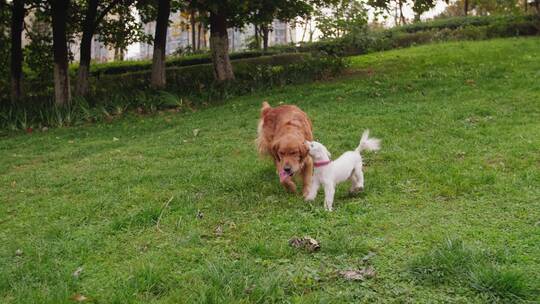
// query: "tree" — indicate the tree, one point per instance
point(422, 6)
point(17, 22)
point(481, 8)
point(59, 12)
point(120, 28)
point(92, 19)
point(345, 17)
point(5, 56)
point(158, 79)
point(221, 14)
point(219, 45)
point(262, 13)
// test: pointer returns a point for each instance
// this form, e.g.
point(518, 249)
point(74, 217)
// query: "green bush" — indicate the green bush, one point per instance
point(460, 28)
point(114, 94)
point(198, 80)
point(459, 22)
point(119, 67)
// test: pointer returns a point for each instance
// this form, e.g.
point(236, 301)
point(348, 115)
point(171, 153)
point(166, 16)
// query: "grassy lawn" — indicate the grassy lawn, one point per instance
point(450, 213)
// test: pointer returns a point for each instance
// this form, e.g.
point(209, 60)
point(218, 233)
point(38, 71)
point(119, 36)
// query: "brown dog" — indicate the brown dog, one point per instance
point(282, 134)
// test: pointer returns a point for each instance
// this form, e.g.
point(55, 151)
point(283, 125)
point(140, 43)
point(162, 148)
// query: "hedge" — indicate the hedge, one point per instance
point(462, 28)
point(120, 67)
point(198, 80)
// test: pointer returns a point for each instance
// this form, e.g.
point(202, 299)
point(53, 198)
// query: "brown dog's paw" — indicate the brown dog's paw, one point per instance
point(289, 185)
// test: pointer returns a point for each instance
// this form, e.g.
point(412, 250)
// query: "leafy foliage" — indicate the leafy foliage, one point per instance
point(114, 94)
point(344, 18)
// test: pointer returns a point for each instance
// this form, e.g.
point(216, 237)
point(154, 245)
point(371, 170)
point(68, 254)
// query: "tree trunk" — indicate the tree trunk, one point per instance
point(160, 41)
point(193, 32)
point(257, 41)
point(219, 47)
point(265, 35)
point(466, 7)
point(401, 16)
point(119, 54)
point(61, 77)
point(199, 29)
point(86, 48)
point(17, 21)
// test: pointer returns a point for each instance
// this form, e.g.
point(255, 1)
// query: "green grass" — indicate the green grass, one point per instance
point(460, 124)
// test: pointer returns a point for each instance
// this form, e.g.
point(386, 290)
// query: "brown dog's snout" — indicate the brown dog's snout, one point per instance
point(287, 168)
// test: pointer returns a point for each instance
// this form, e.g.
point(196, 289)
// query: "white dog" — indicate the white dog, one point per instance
point(330, 173)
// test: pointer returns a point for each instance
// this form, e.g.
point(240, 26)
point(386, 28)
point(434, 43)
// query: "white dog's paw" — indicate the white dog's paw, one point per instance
point(355, 190)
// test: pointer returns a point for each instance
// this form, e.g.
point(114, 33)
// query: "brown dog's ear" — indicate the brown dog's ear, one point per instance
point(304, 150)
point(265, 108)
point(274, 150)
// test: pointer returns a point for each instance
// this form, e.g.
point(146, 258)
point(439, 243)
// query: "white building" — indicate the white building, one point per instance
point(179, 36)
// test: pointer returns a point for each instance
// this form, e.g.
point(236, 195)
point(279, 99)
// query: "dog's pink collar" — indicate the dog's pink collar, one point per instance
point(321, 163)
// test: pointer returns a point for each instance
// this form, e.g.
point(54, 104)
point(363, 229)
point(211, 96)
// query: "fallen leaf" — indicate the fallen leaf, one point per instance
point(78, 297)
point(296, 242)
point(115, 139)
point(13, 184)
point(311, 244)
point(77, 272)
point(218, 231)
point(196, 132)
point(306, 243)
point(18, 252)
point(358, 274)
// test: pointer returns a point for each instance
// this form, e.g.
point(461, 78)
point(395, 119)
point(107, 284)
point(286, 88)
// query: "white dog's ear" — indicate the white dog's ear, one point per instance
point(327, 152)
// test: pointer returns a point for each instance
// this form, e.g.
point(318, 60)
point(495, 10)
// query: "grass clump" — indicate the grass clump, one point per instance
point(455, 263)
point(451, 260)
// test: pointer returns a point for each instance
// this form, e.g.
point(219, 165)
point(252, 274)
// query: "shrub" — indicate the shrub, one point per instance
point(120, 67)
point(112, 95)
point(251, 73)
point(460, 28)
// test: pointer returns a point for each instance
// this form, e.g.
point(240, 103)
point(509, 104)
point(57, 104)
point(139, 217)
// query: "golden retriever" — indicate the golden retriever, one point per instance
point(282, 133)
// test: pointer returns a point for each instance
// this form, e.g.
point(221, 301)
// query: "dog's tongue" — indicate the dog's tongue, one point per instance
point(283, 175)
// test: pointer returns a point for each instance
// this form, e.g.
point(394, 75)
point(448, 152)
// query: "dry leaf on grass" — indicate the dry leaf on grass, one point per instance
point(306, 243)
point(79, 297)
point(218, 231)
point(77, 272)
point(196, 132)
point(358, 274)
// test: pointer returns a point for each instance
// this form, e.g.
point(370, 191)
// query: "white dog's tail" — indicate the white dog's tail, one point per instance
point(369, 144)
